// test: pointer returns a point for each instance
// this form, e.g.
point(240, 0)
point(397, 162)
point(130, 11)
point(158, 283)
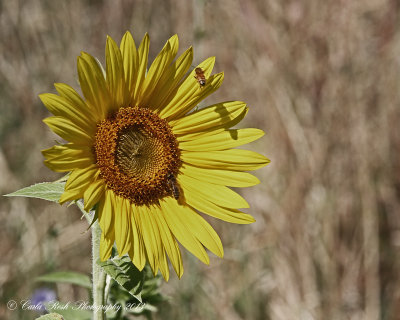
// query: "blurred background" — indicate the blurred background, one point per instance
point(320, 77)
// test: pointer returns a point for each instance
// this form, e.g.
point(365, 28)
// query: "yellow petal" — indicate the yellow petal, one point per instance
point(154, 239)
point(115, 75)
point(199, 202)
point(106, 244)
point(93, 84)
point(81, 177)
point(159, 252)
point(78, 181)
point(162, 258)
point(128, 239)
point(215, 130)
point(169, 243)
point(213, 83)
point(137, 249)
point(93, 194)
point(208, 118)
point(143, 53)
point(122, 223)
point(174, 43)
point(60, 106)
point(67, 157)
point(188, 92)
point(164, 268)
point(67, 92)
point(65, 166)
point(202, 230)
point(73, 194)
point(170, 79)
point(220, 177)
point(157, 69)
point(220, 195)
point(149, 238)
point(131, 62)
point(68, 130)
point(106, 213)
point(234, 159)
point(171, 212)
point(221, 141)
point(67, 150)
point(158, 249)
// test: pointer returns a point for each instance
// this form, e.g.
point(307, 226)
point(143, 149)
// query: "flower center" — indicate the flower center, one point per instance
point(136, 152)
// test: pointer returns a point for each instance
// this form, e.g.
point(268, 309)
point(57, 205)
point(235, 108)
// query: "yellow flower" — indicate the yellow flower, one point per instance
point(135, 148)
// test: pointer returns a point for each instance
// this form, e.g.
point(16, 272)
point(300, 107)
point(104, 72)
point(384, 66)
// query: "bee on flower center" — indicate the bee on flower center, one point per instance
point(173, 184)
point(200, 77)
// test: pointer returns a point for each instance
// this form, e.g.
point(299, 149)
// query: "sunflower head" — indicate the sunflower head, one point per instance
point(136, 151)
point(135, 147)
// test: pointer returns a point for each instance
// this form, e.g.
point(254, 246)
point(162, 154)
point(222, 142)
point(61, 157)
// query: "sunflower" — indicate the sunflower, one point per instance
point(137, 151)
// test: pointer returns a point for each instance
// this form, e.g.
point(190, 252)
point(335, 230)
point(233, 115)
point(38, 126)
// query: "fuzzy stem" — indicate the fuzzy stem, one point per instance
point(99, 277)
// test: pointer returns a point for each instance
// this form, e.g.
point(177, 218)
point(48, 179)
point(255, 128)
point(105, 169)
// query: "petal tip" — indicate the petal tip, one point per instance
point(109, 40)
point(127, 33)
point(173, 38)
point(42, 96)
point(46, 120)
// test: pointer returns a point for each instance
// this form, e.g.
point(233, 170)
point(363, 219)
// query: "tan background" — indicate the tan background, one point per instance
point(320, 77)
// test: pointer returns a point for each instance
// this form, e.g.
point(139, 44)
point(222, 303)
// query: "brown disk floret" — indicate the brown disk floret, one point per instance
point(136, 150)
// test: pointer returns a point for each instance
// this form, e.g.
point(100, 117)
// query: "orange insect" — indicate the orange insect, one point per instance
point(200, 77)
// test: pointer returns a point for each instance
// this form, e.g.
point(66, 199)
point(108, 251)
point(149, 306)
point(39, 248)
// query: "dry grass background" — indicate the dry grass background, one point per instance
point(320, 77)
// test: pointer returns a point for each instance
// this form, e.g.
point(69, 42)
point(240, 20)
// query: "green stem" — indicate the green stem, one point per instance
point(99, 277)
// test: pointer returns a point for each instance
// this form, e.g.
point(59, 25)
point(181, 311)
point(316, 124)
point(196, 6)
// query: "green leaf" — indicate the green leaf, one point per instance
point(150, 293)
point(67, 277)
point(51, 316)
point(50, 191)
point(125, 274)
point(70, 311)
